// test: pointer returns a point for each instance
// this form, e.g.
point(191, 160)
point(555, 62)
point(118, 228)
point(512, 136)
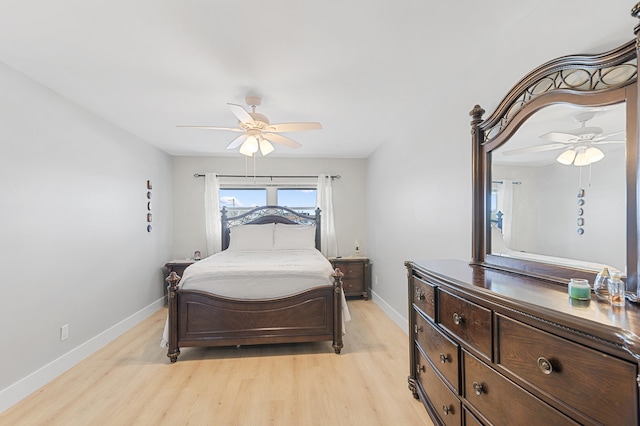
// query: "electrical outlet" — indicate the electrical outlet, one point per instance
point(64, 332)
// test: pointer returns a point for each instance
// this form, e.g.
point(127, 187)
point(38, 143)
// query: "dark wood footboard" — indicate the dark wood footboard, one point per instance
point(197, 318)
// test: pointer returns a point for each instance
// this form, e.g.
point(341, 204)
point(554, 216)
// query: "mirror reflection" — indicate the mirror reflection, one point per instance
point(558, 189)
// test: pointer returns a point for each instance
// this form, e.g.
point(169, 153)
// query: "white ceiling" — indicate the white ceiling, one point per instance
point(368, 70)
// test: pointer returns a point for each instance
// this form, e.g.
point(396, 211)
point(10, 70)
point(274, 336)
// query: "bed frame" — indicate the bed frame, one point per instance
point(198, 318)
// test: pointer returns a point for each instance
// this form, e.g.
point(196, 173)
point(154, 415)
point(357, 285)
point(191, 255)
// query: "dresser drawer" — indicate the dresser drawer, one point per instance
point(443, 401)
point(501, 401)
point(439, 349)
point(580, 377)
point(470, 419)
point(424, 297)
point(469, 322)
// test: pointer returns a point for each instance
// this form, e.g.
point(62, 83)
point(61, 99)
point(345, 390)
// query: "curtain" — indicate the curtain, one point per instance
point(324, 201)
point(505, 205)
point(213, 223)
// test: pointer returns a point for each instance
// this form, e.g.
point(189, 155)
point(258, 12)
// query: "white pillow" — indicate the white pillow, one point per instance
point(252, 237)
point(294, 237)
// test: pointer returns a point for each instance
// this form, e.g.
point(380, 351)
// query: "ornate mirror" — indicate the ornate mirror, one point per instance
point(555, 171)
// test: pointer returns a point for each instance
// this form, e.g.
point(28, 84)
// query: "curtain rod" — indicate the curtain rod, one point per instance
point(197, 175)
point(515, 182)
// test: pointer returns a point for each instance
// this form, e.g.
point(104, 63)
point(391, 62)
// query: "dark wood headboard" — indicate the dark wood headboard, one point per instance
point(268, 214)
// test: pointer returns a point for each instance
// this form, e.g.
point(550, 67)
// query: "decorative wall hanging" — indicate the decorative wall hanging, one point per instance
point(149, 216)
point(580, 211)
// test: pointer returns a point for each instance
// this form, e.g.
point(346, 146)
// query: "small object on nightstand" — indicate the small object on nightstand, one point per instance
point(196, 255)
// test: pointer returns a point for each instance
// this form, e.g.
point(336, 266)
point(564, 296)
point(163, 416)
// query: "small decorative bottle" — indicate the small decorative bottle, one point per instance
point(601, 285)
point(616, 290)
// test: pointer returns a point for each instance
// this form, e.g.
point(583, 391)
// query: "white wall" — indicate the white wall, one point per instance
point(75, 249)
point(419, 207)
point(188, 194)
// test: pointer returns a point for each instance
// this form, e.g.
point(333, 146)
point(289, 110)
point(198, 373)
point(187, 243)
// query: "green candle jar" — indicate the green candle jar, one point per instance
point(579, 289)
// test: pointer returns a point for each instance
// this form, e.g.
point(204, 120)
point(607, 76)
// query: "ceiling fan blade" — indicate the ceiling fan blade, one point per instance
point(237, 141)
point(241, 113)
point(536, 148)
point(293, 127)
point(231, 129)
point(607, 136)
point(560, 137)
point(607, 142)
point(282, 140)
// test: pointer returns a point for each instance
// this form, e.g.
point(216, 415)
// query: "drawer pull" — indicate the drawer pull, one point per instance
point(444, 358)
point(421, 368)
point(545, 365)
point(457, 319)
point(419, 294)
point(477, 387)
point(447, 410)
point(416, 328)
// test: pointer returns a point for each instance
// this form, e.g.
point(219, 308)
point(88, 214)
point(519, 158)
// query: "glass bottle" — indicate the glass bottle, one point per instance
point(601, 285)
point(616, 290)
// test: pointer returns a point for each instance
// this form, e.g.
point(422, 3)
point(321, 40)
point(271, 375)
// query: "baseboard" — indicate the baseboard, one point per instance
point(34, 381)
point(395, 316)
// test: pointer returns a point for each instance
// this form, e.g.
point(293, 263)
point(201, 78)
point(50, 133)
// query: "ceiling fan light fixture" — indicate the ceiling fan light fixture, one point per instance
point(266, 147)
point(566, 157)
point(594, 154)
point(586, 156)
point(249, 147)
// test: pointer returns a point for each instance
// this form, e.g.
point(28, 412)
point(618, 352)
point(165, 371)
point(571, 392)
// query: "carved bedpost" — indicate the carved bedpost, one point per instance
point(337, 310)
point(479, 197)
point(172, 294)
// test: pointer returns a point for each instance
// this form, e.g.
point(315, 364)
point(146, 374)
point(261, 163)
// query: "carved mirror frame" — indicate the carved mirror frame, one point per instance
point(583, 80)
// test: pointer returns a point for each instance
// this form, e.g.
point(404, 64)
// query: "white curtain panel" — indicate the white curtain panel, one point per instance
point(213, 223)
point(505, 205)
point(328, 230)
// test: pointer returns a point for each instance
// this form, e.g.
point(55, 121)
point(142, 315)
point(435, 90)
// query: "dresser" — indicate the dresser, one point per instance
point(357, 275)
point(492, 347)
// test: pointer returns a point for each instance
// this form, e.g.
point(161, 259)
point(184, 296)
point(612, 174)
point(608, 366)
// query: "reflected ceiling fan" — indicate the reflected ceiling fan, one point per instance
point(258, 134)
point(579, 145)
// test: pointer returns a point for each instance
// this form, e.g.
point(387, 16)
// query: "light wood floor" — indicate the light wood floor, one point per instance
point(131, 382)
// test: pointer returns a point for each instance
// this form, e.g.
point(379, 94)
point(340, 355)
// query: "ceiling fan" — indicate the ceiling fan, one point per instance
point(578, 145)
point(257, 132)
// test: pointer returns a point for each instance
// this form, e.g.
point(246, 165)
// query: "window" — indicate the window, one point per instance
point(240, 200)
point(302, 200)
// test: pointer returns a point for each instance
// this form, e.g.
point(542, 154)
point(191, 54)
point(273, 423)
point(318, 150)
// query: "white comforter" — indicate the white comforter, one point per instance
point(260, 275)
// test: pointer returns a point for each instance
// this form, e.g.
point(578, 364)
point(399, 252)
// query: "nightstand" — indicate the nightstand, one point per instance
point(178, 266)
point(357, 275)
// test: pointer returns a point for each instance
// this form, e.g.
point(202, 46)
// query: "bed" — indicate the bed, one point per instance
point(269, 284)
